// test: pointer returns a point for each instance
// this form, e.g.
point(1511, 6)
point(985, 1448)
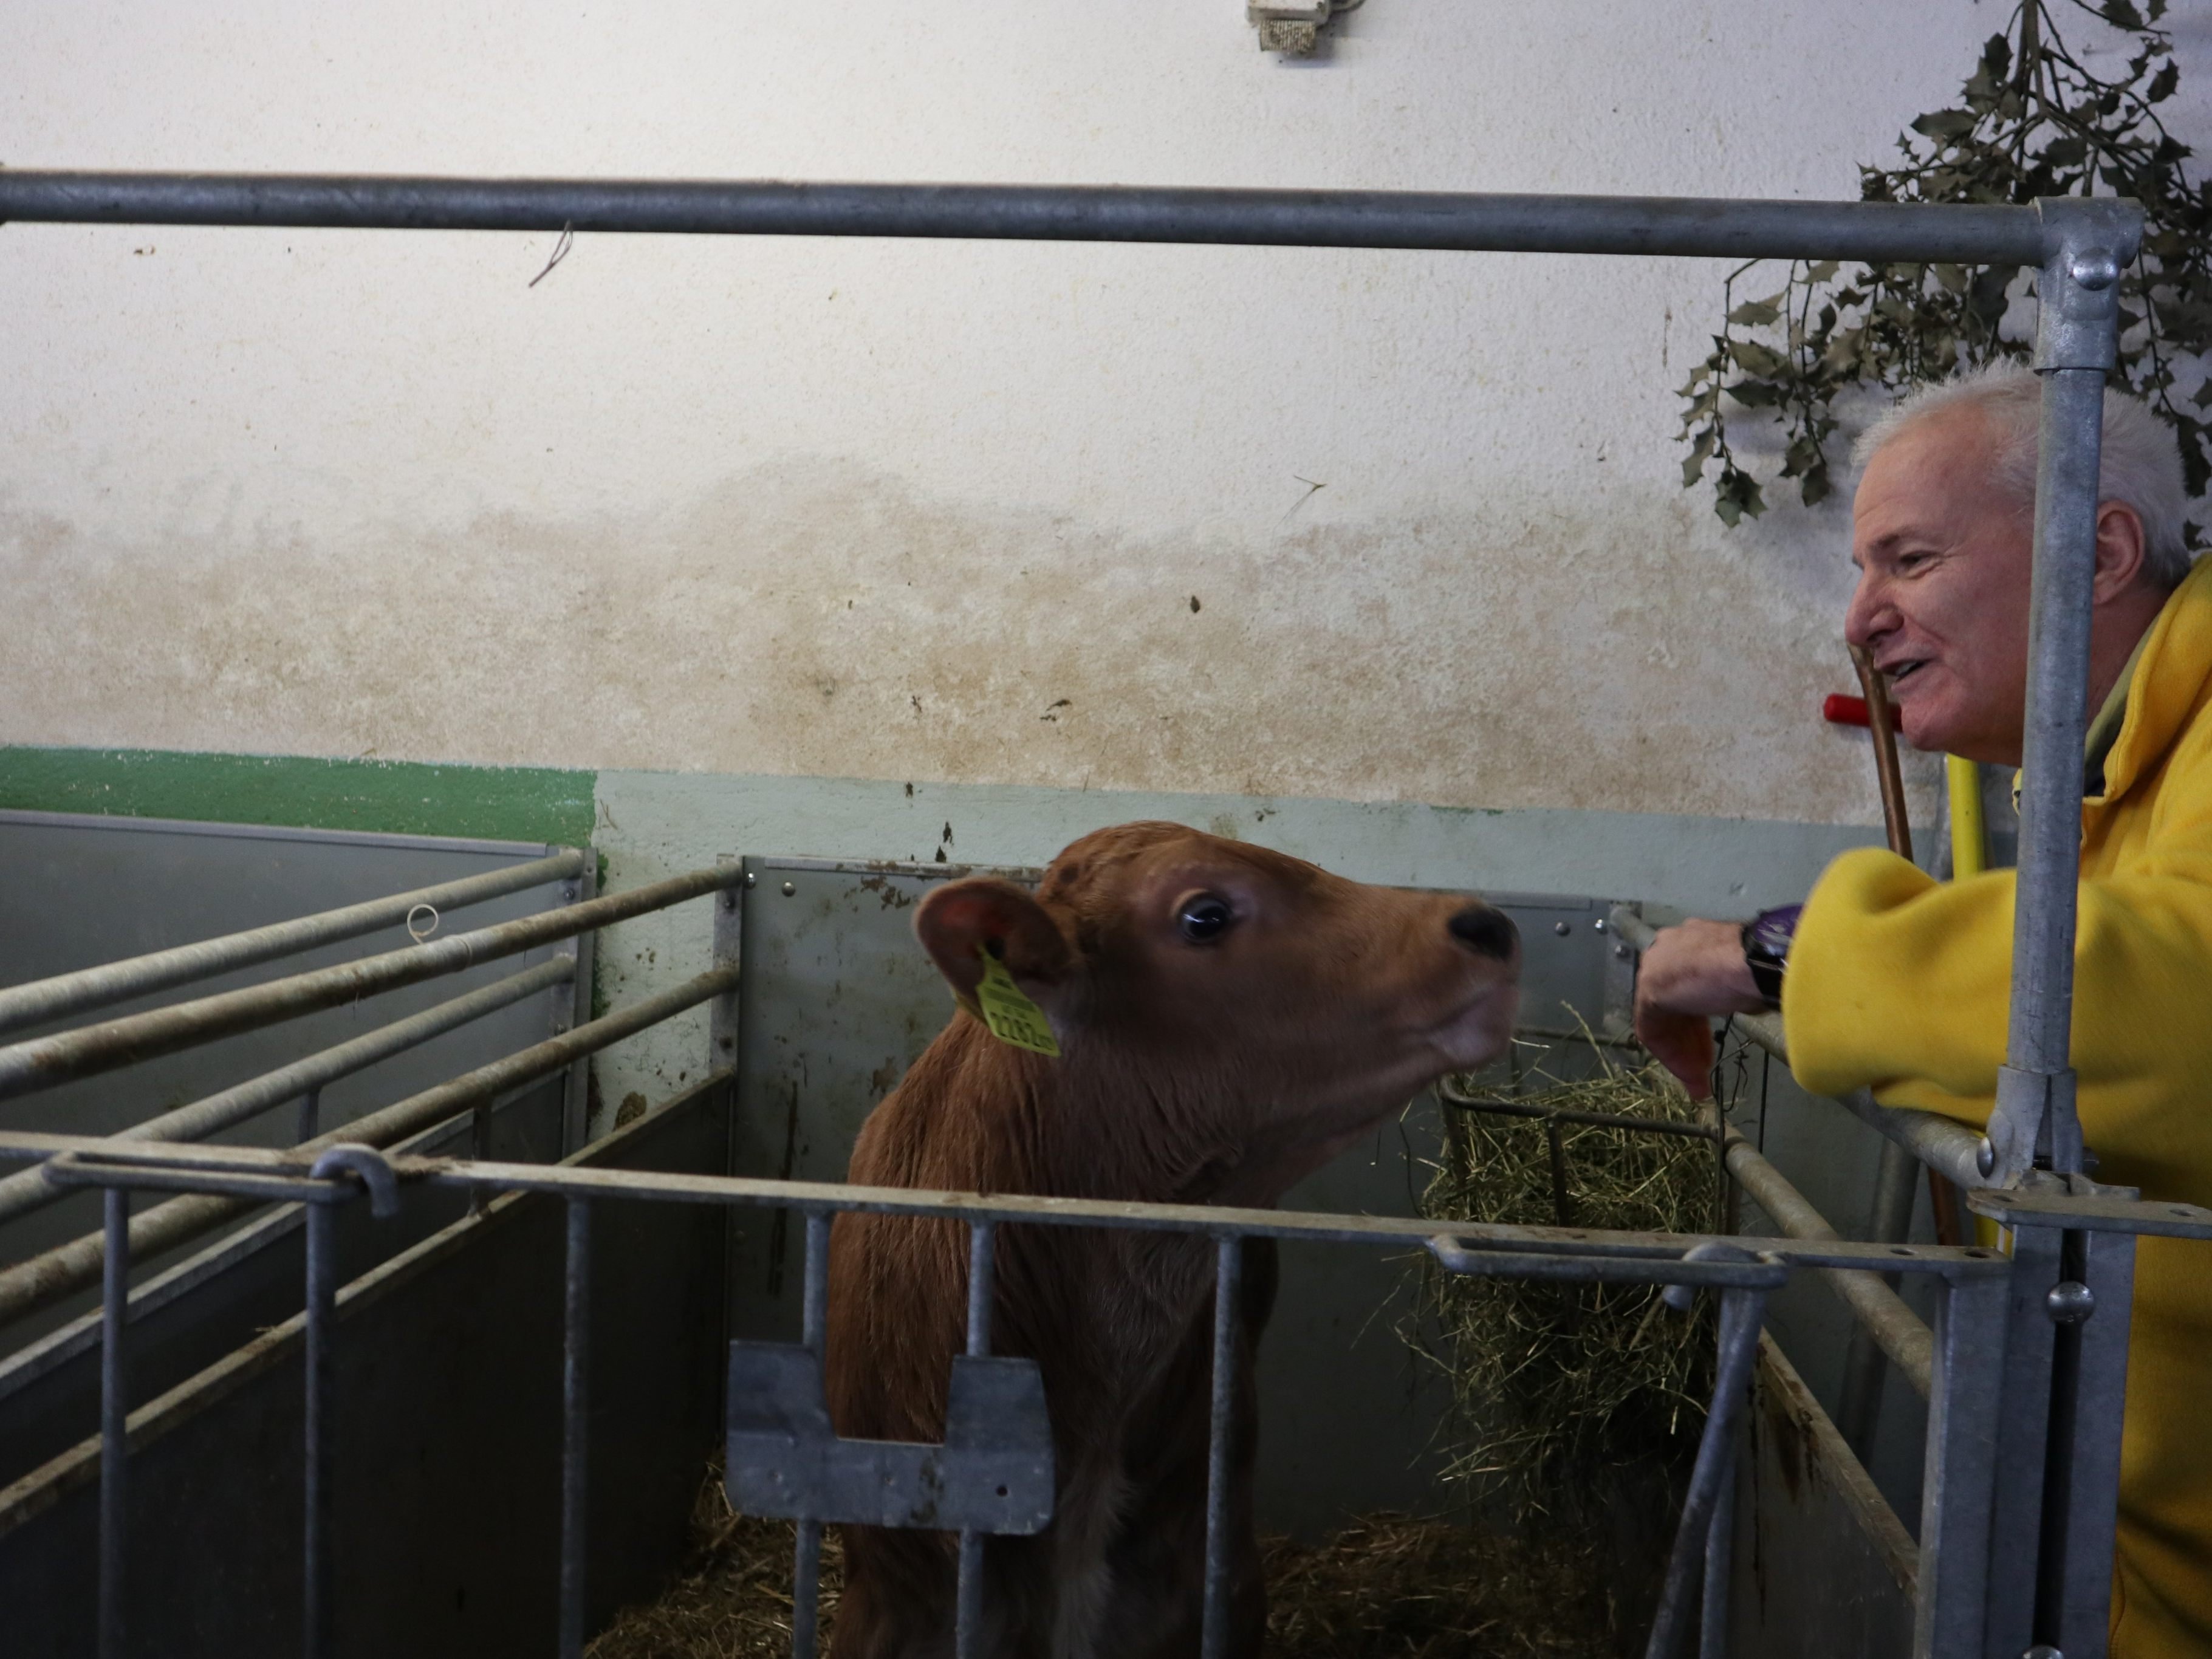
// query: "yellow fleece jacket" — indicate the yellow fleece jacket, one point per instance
point(1901, 984)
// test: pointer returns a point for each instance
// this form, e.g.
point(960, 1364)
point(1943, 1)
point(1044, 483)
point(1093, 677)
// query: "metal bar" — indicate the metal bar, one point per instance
point(2088, 1520)
point(967, 1595)
point(310, 1124)
point(729, 950)
point(2077, 324)
point(1108, 213)
point(1896, 1187)
point(1476, 1239)
point(1720, 1564)
point(575, 1432)
point(27, 1190)
point(1875, 1307)
point(43, 1062)
point(114, 1427)
point(814, 1326)
point(320, 1637)
point(576, 1109)
point(115, 981)
point(45, 1279)
point(1948, 1147)
point(2019, 1416)
point(1562, 1209)
point(1741, 1311)
point(1958, 1485)
point(1228, 1288)
point(1944, 1145)
point(1505, 1108)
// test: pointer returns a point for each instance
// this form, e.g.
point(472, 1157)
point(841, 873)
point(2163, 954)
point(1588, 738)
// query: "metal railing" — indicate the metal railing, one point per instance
point(2060, 1407)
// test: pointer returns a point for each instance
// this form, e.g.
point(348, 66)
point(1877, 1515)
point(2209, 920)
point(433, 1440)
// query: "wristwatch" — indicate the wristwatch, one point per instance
point(1766, 939)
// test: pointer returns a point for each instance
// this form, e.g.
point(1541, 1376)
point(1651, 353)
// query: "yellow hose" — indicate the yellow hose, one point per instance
point(1969, 845)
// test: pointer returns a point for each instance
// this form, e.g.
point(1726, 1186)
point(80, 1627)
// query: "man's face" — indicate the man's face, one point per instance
point(1944, 557)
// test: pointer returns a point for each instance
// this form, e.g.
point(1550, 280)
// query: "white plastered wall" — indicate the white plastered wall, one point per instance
point(927, 511)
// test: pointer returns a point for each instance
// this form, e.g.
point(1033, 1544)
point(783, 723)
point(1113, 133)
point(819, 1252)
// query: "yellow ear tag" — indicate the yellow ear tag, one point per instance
point(1013, 1018)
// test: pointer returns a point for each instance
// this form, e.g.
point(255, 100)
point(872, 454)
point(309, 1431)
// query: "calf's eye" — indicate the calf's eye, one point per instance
point(1204, 920)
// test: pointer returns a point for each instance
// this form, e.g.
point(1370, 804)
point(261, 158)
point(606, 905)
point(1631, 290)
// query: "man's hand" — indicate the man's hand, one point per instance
point(1692, 973)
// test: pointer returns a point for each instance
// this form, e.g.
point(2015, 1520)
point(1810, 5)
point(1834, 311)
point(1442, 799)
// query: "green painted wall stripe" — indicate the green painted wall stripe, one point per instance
point(494, 803)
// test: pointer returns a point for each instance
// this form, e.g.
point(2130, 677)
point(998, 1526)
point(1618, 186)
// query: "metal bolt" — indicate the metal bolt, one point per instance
point(2069, 1302)
point(1622, 951)
point(1562, 929)
point(788, 890)
point(1985, 1156)
point(2095, 270)
point(1598, 923)
point(751, 880)
point(2043, 1650)
point(568, 892)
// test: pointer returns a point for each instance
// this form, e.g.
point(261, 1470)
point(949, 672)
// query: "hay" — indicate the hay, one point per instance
point(731, 1598)
point(1554, 1383)
point(1385, 1587)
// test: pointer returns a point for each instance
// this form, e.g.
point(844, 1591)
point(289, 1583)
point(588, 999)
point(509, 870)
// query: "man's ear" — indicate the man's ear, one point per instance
point(2119, 550)
point(963, 918)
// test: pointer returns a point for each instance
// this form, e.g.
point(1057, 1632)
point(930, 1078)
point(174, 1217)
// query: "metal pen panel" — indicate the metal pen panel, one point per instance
point(43, 1062)
point(24, 1192)
point(318, 1637)
point(116, 981)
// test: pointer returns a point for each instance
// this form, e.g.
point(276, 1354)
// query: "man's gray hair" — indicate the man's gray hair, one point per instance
point(2141, 462)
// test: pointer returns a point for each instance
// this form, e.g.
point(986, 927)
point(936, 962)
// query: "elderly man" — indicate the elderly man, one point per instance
point(1893, 981)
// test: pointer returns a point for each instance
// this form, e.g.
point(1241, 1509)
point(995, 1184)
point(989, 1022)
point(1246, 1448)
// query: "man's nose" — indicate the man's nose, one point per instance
point(1870, 615)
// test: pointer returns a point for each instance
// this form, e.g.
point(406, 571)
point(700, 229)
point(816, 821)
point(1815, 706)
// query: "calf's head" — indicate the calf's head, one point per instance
point(1229, 1008)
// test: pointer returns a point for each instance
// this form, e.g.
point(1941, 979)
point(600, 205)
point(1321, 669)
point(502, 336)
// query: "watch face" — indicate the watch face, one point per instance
point(1770, 931)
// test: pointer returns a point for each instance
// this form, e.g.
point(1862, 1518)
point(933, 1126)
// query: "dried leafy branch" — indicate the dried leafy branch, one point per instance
point(2033, 120)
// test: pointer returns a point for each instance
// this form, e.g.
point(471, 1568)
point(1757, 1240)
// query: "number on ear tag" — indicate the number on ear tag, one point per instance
point(1013, 1018)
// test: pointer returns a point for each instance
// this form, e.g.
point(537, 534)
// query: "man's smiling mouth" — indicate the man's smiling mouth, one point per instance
point(1899, 672)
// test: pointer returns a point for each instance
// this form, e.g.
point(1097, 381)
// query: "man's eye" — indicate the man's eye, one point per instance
point(1204, 920)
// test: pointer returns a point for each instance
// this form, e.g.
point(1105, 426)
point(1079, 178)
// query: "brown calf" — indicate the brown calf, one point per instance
point(1229, 1019)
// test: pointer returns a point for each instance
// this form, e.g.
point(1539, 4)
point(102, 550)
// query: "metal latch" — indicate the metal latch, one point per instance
point(992, 1474)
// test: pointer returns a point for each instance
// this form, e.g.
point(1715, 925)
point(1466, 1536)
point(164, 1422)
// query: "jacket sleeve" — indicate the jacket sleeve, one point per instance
point(1903, 983)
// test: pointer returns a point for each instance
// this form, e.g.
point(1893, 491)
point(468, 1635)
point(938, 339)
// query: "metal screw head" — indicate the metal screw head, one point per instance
point(1562, 929)
point(1985, 1156)
point(789, 889)
point(2069, 1302)
point(2043, 1650)
point(1622, 951)
point(751, 880)
point(1598, 923)
point(2095, 270)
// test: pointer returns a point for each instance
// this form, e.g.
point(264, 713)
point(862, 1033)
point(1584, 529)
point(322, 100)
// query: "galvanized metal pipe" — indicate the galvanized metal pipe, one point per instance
point(43, 1062)
point(1948, 1147)
point(1858, 1405)
point(814, 1329)
point(111, 983)
point(967, 1593)
point(575, 1427)
point(114, 1428)
point(1719, 1565)
point(319, 1633)
point(28, 1190)
point(1740, 1313)
point(1650, 226)
point(1221, 1429)
point(1875, 1308)
point(1645, 1257)
point(46, 1279)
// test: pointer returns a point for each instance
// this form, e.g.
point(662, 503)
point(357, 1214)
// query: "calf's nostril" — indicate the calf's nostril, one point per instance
point(1485, 931)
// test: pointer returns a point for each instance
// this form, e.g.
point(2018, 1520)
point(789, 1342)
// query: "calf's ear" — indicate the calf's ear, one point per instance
point(963, 919)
